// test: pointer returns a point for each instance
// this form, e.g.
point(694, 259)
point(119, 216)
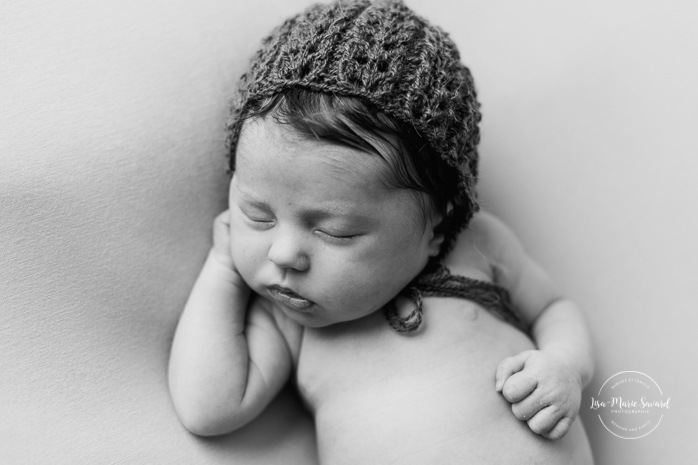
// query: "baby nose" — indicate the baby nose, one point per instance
point(286, 252)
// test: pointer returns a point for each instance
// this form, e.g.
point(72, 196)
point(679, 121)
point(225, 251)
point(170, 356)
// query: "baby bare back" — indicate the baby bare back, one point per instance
point(382, 397)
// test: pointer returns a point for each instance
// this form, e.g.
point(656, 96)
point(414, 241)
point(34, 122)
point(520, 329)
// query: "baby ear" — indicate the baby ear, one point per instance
point(435, 243)
point(437, 234)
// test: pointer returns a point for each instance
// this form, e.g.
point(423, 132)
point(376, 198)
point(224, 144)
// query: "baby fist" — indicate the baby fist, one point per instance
point(543, 388)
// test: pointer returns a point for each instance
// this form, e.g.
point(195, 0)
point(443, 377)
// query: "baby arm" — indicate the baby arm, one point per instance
point(226, 362)
point(544, 386)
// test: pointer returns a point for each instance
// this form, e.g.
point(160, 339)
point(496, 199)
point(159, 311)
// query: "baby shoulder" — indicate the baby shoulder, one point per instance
point(486, 238)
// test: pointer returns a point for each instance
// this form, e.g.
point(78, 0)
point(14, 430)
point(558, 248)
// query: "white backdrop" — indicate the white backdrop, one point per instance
point(110, 148)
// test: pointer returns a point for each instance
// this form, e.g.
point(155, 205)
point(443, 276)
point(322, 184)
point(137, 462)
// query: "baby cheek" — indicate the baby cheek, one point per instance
point(372, 278)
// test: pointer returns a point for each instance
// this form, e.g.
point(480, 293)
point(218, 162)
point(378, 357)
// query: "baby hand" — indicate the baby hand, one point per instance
point(543, 389)
point(221, 247)
point(221, 239)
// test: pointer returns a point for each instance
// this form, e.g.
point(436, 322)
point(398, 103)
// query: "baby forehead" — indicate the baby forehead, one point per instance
point(263, 141)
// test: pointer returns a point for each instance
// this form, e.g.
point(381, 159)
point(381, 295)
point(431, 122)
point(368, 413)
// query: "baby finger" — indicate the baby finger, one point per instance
point(527, 408)
point(518, 387)
point(560, 429)
point(545, 420)
point(508, 367)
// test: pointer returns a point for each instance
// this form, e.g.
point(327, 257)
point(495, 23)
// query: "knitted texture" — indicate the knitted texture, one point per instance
point(385, 54)
point(441, 283)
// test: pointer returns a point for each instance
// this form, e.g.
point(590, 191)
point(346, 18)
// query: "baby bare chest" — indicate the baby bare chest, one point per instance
point(367, 384)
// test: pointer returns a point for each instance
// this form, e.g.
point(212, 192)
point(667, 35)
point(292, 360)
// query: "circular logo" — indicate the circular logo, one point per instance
point(630, 405)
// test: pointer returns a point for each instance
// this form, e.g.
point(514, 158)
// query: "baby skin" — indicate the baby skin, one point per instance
point(311, 249)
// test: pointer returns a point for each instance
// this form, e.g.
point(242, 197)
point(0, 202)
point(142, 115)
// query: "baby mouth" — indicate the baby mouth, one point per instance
point(289, 298)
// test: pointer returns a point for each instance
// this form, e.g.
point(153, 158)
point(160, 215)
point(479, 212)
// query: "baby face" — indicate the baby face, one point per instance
point(314, 230)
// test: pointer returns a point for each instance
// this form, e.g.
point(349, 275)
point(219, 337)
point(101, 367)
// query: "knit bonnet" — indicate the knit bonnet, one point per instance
point(384, 54)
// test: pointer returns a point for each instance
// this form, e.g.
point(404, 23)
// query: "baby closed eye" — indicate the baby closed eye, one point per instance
point(335, 236)
point(258, 221)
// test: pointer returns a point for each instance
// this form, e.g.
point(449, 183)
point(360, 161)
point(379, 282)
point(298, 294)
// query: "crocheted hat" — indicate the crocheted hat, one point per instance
point(383, 53)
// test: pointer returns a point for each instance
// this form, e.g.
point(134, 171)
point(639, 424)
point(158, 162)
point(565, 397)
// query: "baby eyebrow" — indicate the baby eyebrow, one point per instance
point(252, 204)
point(347, 218)
point(248, 196)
